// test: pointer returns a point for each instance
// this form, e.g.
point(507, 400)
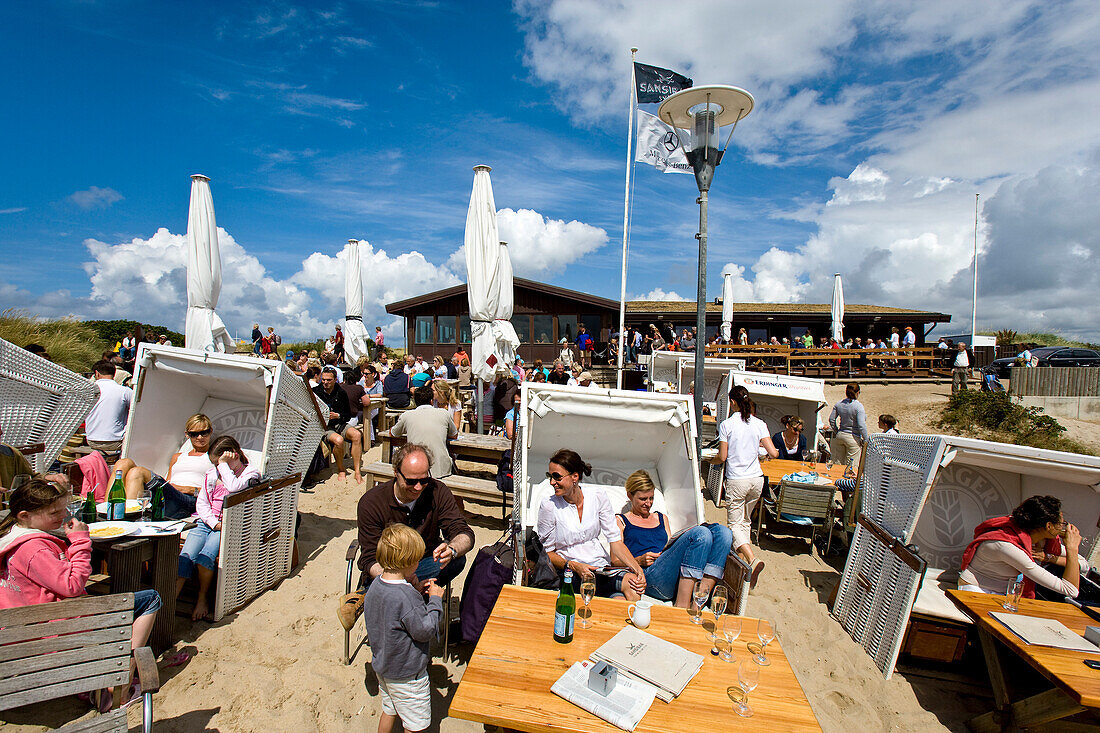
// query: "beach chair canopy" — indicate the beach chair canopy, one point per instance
point(260, 402)
point(713, 371)
point(618, 432)
point(777, 395)
point(665, 368)
point(40, 402)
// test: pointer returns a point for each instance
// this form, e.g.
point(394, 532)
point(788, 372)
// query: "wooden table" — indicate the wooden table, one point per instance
point(484, 448)
point(1075, 686)
point(775, 469)
point(507, 681)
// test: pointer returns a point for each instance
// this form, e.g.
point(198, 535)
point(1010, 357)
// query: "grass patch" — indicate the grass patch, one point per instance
point(73, 344)
point(1039, 338)
point(994, 416)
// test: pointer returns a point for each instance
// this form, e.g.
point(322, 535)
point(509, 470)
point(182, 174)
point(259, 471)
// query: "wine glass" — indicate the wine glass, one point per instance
point(765, 631)
point(588, 590)
point(730, 630)
point(805, 457)
point(699, 598)
point(829, 463)
point(748, 677)
point(718, 602)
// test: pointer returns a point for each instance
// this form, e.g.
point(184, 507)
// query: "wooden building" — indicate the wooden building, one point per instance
point(435, 323)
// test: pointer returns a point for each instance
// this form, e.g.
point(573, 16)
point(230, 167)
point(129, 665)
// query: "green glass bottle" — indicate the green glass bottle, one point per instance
point(116, 499)
point(564, 610)
point(87, 509)
point(156, 503)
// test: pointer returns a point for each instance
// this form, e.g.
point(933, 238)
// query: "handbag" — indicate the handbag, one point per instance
point(540, 571)
point(490, 570)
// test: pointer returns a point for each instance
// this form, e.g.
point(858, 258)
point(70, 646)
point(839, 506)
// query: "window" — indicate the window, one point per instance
point(446, 330)
point(592, 323)
point(758, 334)
point(543, 330)
point(464, 336)
point(522, 324)
point(424, 328)
point(567, 328)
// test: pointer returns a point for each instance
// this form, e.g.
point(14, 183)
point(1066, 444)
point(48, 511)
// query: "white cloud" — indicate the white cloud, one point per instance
point(95, 198)
point(660, 294)
point(538, 245)
point(13, 210)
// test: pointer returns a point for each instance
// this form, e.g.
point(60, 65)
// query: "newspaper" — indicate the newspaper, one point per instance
point(623, 707)
point(1044, 632)
point(661, 663)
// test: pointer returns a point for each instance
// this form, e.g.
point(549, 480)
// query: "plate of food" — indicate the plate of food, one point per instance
point(112, 530)
point(133, 506)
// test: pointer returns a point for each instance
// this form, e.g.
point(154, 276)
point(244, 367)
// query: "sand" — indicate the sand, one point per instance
point(275, 665)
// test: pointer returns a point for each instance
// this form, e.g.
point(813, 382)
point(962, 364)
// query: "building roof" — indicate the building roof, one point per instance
point(850, 309)
point(518, 282)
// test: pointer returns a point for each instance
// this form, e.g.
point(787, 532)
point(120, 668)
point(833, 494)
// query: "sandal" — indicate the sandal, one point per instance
point(177, 659)
point(757, 568)
point(349, 609)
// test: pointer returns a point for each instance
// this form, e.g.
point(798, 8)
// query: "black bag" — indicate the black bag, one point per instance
point(491, 569)
point(504, 473)
point(540, 571)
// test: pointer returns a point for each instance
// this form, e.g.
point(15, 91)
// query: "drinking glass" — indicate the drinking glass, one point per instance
point(748, 677)
point(588, 590)
point(730, 630)
point(718, 601)
point(829, 462)
point(765, 631)
point(1012, 595)
point(699, 596)
point(805, 458)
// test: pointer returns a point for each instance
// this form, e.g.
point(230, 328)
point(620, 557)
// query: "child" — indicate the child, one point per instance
point(230, 474)
point(888, 424)
point(37, 567)
point(400, 627)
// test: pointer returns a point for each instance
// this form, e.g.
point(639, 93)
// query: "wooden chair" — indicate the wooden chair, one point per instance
point(53, 650)
point(801, 505)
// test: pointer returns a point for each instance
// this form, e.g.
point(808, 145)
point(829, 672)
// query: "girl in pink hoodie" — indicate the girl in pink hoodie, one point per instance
point(39, 567)
point(199, 555)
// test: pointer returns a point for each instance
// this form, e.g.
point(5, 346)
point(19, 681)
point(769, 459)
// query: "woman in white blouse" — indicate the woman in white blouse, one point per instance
point(571, 522)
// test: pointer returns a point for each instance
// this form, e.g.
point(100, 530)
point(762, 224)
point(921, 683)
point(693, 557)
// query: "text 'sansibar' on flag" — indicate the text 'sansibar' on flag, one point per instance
point(653, 84)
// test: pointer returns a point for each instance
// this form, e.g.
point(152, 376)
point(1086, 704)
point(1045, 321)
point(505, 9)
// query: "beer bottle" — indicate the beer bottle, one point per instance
point(87, 509)
point(564, 610)
point(116, 499)
point(156, 504)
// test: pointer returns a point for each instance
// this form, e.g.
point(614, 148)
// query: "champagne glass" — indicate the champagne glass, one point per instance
point(765, 631)
point(718, 602)
point(731, 629)
point(748, 677)
point(588, 590)
point(699, 598)
point(805, 458)
point(829, 463)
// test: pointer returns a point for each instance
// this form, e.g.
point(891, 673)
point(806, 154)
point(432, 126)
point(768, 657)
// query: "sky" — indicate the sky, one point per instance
point(875, 125)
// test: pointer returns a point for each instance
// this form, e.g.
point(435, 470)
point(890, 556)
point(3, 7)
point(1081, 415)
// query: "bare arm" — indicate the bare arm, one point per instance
point(769, 447)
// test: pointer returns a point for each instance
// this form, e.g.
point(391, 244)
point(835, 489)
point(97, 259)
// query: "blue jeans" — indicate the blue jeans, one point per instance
point(700, 551)
point(200, 548)
point(146, 602)
point(177, 505)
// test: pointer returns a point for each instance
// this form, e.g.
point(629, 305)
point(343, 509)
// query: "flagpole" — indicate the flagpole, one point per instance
point(974, 308)
point(626, 220)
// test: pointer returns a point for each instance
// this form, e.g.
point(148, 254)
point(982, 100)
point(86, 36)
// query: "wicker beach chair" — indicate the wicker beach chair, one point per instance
point(40, 402)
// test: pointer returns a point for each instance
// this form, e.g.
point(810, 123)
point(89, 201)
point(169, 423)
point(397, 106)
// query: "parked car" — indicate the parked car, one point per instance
point(1062, 356)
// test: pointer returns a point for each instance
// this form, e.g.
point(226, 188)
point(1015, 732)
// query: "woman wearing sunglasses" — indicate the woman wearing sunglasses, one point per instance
point(570, 525)
point(791, 440)
point(186, 471)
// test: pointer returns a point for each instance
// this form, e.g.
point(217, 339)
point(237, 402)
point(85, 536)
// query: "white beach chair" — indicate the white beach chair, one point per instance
point(618, 432)
point(40, 402)
point(275, 418)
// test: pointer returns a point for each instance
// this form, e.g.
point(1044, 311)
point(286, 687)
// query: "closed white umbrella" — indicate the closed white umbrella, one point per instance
point(838, 309)
point(204, 330)
point(727, 306)
point(488, 283)
point(356, 340)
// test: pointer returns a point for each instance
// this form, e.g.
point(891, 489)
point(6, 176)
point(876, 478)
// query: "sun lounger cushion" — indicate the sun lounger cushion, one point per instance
point(932, 599)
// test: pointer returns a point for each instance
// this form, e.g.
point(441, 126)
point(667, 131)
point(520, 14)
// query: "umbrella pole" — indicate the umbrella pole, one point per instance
point(480, 412)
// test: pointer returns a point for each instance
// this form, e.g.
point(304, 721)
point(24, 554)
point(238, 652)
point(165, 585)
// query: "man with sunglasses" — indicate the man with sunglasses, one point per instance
point(414, 498)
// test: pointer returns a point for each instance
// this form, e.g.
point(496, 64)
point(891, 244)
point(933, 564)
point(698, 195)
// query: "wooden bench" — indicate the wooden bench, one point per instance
point(476, 489)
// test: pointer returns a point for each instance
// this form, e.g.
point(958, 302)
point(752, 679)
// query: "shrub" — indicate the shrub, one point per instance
point(70, 343)
point(994, 416)
point(113, 331)
point(1007, 337)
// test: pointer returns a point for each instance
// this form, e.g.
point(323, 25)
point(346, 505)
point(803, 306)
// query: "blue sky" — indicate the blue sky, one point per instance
point(876, 123)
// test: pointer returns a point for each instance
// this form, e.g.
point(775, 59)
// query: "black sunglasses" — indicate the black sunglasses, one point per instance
point(556, 476)
point(199, 433)
point(414, 481)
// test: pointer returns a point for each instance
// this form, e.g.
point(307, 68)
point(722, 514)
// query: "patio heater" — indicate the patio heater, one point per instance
point(698, 114)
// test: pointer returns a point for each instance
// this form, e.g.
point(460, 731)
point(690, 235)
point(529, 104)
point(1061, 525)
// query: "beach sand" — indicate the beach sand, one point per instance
point(275, 665)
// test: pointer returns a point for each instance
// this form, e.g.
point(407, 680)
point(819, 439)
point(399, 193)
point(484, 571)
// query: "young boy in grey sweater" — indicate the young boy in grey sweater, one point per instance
point(400, 628)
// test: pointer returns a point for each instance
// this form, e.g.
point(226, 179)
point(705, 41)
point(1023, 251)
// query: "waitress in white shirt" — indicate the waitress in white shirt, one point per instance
point(570, 524)
point(740, 438)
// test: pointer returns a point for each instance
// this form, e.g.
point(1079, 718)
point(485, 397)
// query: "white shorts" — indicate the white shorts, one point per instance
point(410, 700)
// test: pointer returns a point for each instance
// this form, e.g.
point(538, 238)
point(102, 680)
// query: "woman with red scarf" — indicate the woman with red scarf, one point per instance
point(1004, 547)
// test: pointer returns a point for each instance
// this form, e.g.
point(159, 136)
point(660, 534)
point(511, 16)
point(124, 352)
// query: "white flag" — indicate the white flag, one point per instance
point(659, 145)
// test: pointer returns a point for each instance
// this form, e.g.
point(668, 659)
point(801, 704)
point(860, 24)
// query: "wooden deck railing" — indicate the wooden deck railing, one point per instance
point(839, 363)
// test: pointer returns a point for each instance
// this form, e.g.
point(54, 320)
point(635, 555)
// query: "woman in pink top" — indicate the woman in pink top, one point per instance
point(230, 474)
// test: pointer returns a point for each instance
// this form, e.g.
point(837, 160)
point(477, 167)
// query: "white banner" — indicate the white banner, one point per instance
point(659, 145)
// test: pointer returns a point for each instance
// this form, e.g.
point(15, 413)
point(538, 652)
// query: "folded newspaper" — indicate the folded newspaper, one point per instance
point(623, 707)
point(638, 654)
point(1044, 632)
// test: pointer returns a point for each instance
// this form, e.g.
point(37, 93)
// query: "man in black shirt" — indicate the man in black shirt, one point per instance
point(339, 412)
point(558, 376)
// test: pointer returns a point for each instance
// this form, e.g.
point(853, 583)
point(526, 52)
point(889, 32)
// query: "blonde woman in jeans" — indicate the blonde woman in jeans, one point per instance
point(740, 438)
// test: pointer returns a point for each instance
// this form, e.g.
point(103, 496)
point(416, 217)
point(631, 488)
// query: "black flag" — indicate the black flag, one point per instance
point(654, 83)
